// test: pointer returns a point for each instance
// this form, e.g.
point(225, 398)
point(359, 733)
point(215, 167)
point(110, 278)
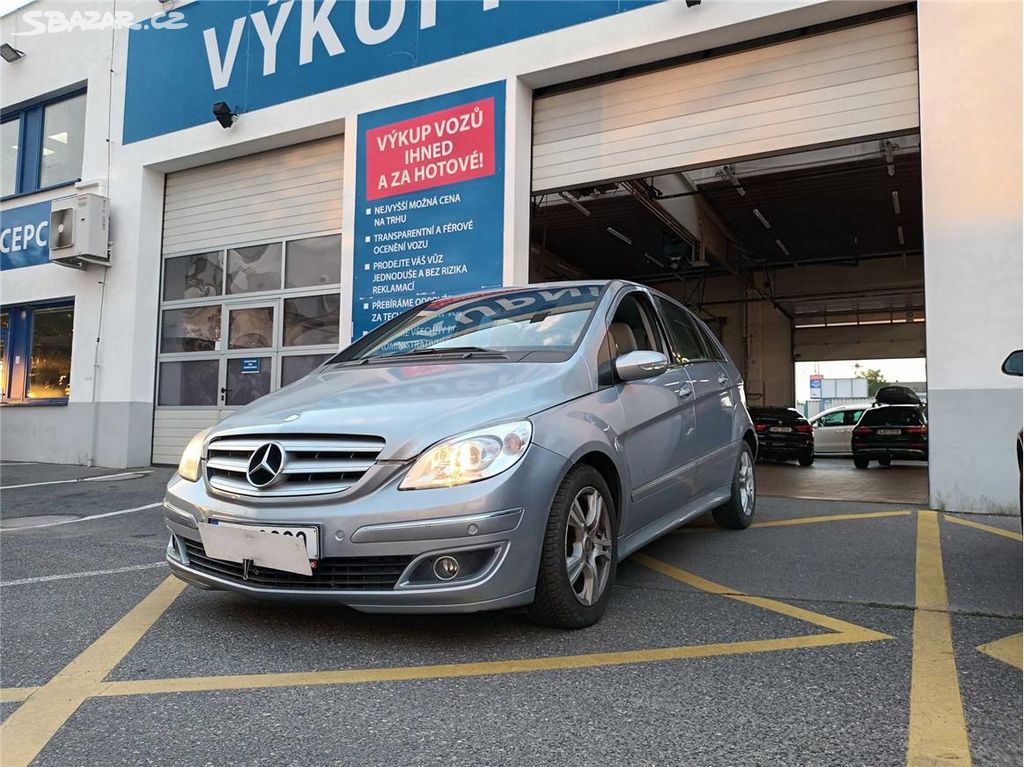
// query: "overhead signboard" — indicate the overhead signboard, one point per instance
point(259, 53)
point(25, 236)
point(816, 386)
point(429, 202)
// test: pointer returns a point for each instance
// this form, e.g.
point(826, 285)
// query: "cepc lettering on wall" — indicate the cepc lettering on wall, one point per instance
point(314, 24)
point(14, 239)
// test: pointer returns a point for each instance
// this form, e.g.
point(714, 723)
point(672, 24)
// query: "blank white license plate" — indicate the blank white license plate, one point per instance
point(308, 534)
point(889, 432)
point(780, 429)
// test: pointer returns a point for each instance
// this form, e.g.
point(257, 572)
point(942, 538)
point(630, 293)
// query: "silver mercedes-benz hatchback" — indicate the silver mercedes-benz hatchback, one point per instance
point(486, 451)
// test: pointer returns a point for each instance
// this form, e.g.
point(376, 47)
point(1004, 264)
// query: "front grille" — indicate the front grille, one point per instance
point(313, 464)
point(338, 573)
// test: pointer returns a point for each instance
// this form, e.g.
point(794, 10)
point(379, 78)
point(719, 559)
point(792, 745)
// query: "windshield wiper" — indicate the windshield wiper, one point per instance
point(451, 350)
point(464, 352)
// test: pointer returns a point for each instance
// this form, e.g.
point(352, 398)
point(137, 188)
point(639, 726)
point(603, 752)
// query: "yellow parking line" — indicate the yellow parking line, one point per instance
point(15, 694)
point(1008, 649)
point(1013, 536)
point(455, 670)
point(803, 520)
point(817, 619)
point(938, 731)
point(831, 518)
point(27, 730)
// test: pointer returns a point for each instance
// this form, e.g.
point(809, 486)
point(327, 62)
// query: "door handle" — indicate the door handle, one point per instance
point(685, 390)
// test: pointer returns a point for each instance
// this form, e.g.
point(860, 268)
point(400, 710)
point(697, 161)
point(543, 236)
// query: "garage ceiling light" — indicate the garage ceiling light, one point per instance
point(896, 202)
point(572, 201)
point(728, 172)
point(619, 235)
point(760, 217)
point(782, 247)
point(899, 234)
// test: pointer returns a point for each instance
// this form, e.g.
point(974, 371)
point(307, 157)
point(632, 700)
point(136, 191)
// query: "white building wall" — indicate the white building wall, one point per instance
point(970, 56)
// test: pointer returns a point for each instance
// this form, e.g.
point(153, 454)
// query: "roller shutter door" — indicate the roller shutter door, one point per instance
point(231, 231)
point(832, 87)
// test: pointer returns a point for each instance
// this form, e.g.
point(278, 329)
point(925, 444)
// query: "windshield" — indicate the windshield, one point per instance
point(521, 320)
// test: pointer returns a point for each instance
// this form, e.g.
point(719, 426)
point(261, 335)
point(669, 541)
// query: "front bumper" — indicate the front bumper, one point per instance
point(374, 521)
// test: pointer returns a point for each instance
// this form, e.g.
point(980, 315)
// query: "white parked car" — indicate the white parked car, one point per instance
point(833, 429)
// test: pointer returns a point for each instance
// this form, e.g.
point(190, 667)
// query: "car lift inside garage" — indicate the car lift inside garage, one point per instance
point(812, 255)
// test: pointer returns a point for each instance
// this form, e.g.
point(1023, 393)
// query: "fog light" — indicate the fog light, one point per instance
point(446, 568)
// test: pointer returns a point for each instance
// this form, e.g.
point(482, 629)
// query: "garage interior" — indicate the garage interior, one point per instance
point(804, 256)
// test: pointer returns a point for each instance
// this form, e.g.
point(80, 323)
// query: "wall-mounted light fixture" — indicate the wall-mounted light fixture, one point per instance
point(224, 114)
point(10, 54)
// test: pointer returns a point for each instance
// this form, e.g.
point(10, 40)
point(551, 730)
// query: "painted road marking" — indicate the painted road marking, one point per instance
point(804, 520)
point(1008, 649)
point(938, 731)
point(86, 574)
point(45, 709)
point(1012, 535)
point(119, 475)
point(30, 727)
point(82, 519)
point(15, 694)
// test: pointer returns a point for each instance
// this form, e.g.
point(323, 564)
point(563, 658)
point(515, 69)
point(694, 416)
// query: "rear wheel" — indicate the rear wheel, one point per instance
point(738, 511)
point(860, 463)
point(885, 461)
point(807, 458)
point(577, 566)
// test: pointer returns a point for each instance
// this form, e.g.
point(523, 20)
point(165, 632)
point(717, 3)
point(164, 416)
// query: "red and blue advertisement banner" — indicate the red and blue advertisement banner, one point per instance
point(430, 193)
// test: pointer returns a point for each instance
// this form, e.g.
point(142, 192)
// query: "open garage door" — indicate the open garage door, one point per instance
point(826, 88)
point(795, 232)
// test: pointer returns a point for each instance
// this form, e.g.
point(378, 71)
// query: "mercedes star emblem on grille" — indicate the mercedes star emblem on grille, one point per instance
point(265, 465)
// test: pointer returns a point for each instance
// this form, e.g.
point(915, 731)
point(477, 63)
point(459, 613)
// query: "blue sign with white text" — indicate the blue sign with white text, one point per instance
point(253, 54)
point(429, 202)
point(24, 236)
point(251, 364)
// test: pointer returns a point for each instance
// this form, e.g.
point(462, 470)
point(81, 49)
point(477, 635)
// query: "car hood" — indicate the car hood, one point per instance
point(411, 406)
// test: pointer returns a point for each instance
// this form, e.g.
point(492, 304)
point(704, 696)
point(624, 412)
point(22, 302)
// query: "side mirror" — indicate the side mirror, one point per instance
point(1014, 364)
point(634, 366)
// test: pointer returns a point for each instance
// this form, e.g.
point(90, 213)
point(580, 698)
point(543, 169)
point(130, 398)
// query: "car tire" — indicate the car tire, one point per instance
point(807, 460)
point(738, 512)
point(561, 601)
point(885, 461)
point(860, 463)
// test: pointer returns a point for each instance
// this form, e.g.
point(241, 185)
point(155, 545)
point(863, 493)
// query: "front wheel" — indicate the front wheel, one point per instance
point(577, 565)
point(860, 463)
point(738, 512)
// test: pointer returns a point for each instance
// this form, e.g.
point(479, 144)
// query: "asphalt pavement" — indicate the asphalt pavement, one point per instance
point(792, 643)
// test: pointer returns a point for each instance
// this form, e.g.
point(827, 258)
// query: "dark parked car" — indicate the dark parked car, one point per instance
point(1013, 365)
point(783, 434)
point(888, 432)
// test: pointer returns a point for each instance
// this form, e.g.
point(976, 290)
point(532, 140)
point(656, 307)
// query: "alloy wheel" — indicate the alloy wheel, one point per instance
point(588, 546)
point(746, 483)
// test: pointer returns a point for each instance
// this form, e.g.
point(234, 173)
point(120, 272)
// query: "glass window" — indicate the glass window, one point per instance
point(191, 330)
point(631, 328)
point(853, 416)
point(313, 262)
point(10, 137)
point(312, 320)
point(63, 140)
point(832, 419)
point(248, 379)
point(251, 328)
point(49, 374)
point(709, 342)
point(893, 416)
point(198, 276)
point(686, 339)
point(254, 268)
point(294, 367)
point(193, 382)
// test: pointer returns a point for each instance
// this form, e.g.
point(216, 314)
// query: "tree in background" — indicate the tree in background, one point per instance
point(875, 380)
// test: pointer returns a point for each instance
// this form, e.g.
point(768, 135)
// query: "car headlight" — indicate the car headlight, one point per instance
point(188, 467)
point(470, 457)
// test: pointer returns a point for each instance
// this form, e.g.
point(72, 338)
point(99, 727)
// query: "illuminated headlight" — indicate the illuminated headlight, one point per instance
point(470, 457)
point(188, 467)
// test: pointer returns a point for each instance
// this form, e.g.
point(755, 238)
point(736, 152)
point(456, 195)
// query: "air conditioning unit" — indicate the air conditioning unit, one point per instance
point(79, 231)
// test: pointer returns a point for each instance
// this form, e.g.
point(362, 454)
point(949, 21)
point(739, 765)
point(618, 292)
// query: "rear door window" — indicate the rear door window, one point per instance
point(892, 416)
point(687, 344)
point(852, 417)
point(832, 419)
